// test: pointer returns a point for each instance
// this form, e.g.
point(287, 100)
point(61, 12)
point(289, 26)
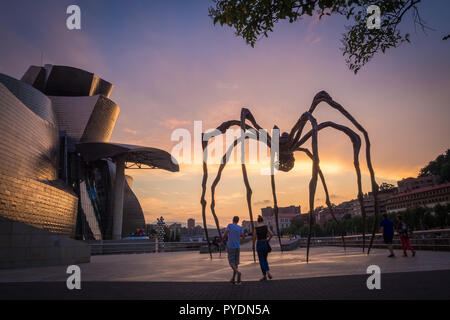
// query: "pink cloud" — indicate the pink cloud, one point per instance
point(174, 123)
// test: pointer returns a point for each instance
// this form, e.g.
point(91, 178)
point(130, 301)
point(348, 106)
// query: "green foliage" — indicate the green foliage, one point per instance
point(417, 219)
point(442, 215)
point(167, 234)
point(253, 19)
point(440, 166)
point(385, 187)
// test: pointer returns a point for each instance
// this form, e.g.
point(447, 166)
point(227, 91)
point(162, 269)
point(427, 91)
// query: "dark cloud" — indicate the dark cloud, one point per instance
point(262, 203)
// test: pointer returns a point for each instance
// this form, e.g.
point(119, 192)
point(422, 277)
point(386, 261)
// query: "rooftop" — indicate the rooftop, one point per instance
point(419, 190)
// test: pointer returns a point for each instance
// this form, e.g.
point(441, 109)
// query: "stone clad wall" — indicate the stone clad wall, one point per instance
point(23, 246)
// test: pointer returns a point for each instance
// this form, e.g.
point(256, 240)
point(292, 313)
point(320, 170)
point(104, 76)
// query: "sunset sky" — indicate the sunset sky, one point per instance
point(171, 66)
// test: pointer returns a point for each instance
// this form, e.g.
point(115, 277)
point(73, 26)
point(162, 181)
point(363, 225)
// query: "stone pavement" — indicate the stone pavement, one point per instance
point(195, 267)
point(330, 274)
point(406, 285)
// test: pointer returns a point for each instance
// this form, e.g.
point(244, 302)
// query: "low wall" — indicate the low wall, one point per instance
point(24, 246)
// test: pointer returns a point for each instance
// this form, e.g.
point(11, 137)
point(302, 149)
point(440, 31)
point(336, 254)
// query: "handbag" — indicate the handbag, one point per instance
point(269, 248)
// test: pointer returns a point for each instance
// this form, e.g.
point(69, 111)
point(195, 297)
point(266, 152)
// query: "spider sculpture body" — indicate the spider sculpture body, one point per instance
point(289, 143)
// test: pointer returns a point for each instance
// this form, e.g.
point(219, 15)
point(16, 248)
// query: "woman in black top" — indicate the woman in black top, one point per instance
point(263, 235)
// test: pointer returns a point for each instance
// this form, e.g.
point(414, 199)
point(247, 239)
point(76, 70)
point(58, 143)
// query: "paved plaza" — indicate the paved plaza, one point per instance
point(192, 266)
point(331, 273)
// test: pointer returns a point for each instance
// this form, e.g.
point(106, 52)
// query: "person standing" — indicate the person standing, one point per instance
point(234, 234)
point(402, 230)
point(263, 235)
point(387, 228)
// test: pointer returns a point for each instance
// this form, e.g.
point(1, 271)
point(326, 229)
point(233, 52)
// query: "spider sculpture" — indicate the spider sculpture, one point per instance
point(288, 144)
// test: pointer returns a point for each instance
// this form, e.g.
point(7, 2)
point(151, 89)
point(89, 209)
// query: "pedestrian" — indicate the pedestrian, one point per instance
point(387, 228)
point(224, 241)
point(263, 235)
point(402, 230)
point(234, 234)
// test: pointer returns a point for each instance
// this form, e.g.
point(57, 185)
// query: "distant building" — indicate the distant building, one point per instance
point(369, 203)
point(191, 223)
point(410, 184)
point(285, 216)
point(353, 207)
point(175, 226)
point(323, 214)
point(246, 225)
point(422, 197)
point(191, 234)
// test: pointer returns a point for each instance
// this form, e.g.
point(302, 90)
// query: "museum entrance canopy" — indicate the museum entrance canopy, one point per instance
point(134, 156)
point(123, 155)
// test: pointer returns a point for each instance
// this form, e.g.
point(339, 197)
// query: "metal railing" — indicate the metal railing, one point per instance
point(141, 246)
point(436, 239)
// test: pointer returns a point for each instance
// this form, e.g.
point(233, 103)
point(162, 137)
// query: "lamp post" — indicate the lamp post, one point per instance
point(161, 232)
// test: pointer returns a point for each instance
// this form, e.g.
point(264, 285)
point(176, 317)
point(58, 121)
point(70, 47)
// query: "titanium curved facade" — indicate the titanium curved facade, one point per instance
point(66, 81)
point(29, 145)
point(29, 189)
point(90, 118)
point(31, 97)
point(45, 181)
point(102, 121)
point(133, 216)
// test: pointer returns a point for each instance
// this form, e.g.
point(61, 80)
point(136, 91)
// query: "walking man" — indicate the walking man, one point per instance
point(403, 233)
point(234, 234)
point(387, 228)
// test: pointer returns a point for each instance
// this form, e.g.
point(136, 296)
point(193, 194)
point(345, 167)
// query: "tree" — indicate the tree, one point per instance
point(167, 233)
point(297, 222)
point(440, 167)
point(442, 215)
point(253, 19)
point(387, 187)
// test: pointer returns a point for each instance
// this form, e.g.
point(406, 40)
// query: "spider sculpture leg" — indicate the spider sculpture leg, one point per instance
point(356, 142)
point(307, 116)
point(325, 188)
point(275, 208)
point(205, 139)
point(216, 181)
point(325, 97)
point(246, 114)
point(219, 174)
point(203, 202)
point(274, 193)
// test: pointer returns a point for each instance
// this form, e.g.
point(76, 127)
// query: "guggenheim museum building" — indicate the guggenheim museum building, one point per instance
point(59, 171)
